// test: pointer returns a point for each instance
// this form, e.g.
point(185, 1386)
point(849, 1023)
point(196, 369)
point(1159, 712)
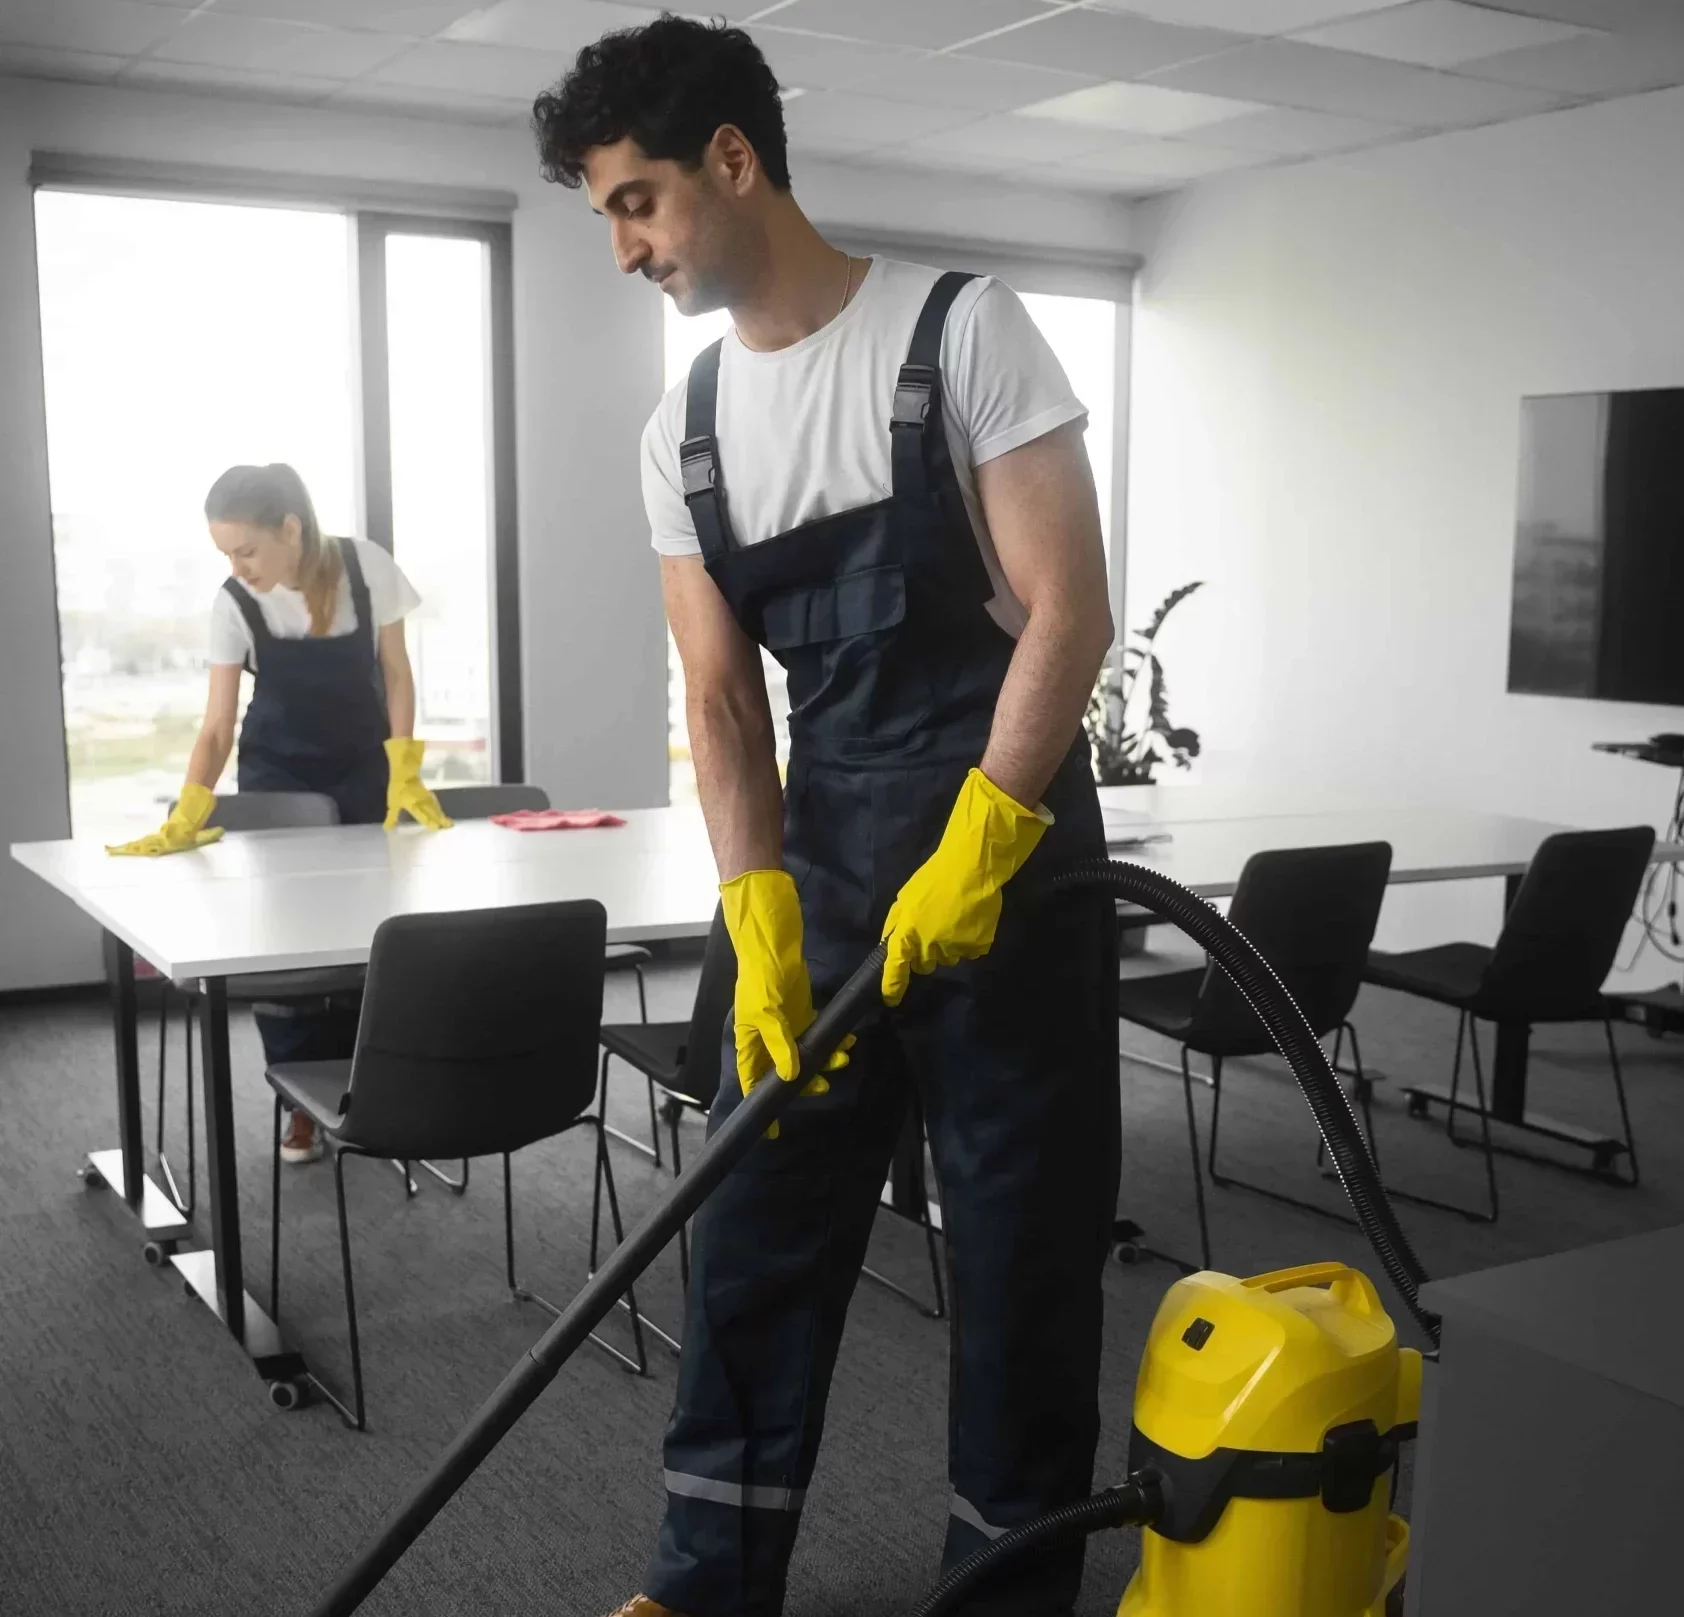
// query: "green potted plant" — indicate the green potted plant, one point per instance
point(1131, 734)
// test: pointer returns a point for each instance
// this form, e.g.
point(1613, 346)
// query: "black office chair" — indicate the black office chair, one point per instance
point(1557, 945)
point(685, 1060)
point(1311, 912)
point(267, 990)
point(478, 1037)
point(480, 803)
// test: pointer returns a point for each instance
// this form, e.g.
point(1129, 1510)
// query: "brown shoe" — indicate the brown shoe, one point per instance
point(300, 1142)
point(643, 1606)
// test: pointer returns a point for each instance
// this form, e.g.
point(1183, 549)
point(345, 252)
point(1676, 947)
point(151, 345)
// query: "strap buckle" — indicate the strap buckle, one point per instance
point(698, 463)
point(915, 390)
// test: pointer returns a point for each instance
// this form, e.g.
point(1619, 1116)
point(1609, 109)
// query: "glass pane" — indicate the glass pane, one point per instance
point(437, 326)
point(1082, 332)
point(178, 339)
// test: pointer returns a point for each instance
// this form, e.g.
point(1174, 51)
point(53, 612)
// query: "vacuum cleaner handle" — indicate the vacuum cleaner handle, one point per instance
point(727, 1146)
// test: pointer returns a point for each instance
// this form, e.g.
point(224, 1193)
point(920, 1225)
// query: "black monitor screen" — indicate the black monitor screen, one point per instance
point(1599, 548)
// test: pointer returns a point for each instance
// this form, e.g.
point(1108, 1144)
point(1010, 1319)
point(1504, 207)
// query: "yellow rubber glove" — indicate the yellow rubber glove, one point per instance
point(184, 829)
point(950, 906)
point(774, 1000)
point(404, 792)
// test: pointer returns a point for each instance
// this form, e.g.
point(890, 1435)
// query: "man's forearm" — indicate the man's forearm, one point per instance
point(1044, 695)
point(737, 780)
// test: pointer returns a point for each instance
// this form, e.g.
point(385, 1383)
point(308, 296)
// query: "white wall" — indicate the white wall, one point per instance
point(1329, 363)
point(588, 371)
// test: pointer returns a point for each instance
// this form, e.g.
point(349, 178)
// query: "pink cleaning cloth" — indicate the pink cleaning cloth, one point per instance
point(555, 819)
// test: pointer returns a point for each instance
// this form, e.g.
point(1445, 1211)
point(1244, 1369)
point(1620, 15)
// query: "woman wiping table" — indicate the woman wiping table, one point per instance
point(318, 621)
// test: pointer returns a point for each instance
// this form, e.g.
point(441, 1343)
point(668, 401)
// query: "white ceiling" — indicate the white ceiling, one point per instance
point(1129, 97)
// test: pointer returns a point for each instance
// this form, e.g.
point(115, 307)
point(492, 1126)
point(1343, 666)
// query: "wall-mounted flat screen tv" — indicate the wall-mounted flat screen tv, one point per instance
point(1598, 604)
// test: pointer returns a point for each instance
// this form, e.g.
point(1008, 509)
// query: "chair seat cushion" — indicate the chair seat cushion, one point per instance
point(1163, 1003)
point(654, 1048)
point(1449, 973)
point(624, 956)
point(287, 987)
point(315, 1088)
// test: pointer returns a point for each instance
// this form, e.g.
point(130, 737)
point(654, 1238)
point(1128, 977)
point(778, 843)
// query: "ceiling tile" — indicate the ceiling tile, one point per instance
point(864, 120)
point(431, 103)
point(1616, 64)
point(1284, 73)
point(1012, 139)
point(105, 27)
point(931, 24)
point(45, 62)
point(1101, 43)
point(1163, 159)
point(199, 76)
point(1287, 132)
point(1145, 109)
point(1614, 15)
point(1246, 16)
point(920, 154)
point(552, 25)
point(970, 81)
point(1439, 33)
point(476, 69)
point(277, 47)
point(418, 19)
point(826, 64)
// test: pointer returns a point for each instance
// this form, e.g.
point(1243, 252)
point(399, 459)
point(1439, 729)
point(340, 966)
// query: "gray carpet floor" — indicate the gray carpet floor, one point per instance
point(143, 1471)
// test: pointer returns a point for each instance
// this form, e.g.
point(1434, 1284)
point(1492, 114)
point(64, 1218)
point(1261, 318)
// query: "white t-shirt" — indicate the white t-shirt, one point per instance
point(804, 431)
point(287, 614)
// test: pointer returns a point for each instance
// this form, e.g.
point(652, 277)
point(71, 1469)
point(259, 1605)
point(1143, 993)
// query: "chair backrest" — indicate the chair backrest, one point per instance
point(1563, 930)
point(479, 1030)
point(481, 802)
point(273, 811)
point(1311, 913)
point(710, 1017)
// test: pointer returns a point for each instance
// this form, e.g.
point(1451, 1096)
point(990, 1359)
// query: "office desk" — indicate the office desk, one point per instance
point(281, 900)
point(1212, 832)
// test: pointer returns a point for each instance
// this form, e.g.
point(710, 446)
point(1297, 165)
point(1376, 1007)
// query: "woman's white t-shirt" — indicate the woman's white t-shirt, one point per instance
point(286, 613)
point(804, 431)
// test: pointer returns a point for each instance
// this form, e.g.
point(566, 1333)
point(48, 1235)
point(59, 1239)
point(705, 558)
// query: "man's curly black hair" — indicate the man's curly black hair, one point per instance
point(669, 85)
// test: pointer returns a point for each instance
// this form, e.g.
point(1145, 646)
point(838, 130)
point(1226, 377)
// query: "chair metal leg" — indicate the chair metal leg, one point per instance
point(1625, 1115)
point(642, 993)
point(1465, 1029)
point(521, 1294)
point(356, 1418)
point(410, 1188)
point(457, 1187)
point(1193, 1148)
point(683, 1229)
point(654, 1150)
point(275, 1217)
point(939, 1311)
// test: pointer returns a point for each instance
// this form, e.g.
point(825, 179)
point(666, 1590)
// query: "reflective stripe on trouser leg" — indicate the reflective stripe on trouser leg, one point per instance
point(963, 1510)
point(744, 1496)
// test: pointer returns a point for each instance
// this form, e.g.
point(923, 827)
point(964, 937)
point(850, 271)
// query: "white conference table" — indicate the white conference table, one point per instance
point(282, 900)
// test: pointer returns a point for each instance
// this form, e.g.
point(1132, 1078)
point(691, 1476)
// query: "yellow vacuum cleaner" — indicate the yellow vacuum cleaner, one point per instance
point(1268, 1412)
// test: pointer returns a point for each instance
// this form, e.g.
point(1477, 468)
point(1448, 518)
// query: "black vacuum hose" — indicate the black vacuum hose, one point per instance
point(1151, 890)
point(1264, 992)
point(1131, 1503)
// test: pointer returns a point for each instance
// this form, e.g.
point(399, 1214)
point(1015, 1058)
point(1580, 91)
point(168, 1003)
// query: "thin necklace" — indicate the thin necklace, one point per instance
point(847, 287)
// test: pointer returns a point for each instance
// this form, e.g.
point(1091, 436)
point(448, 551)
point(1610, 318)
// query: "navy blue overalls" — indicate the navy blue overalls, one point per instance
point(879, 616)
point(316, 722)
point(317, 717)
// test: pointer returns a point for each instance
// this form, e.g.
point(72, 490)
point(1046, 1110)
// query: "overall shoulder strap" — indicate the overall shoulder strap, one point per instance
point(359, 587)
point(915, 420)
point(698, 454)
point(249, 610)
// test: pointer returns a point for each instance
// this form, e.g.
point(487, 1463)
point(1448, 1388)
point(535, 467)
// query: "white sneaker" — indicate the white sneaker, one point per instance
point(300, 1143)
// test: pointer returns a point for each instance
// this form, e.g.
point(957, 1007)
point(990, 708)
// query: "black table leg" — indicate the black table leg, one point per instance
point(217, 1277)
point(124, 1167)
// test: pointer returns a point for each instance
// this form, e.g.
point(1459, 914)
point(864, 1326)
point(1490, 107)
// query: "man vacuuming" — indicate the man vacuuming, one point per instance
point(879, 476)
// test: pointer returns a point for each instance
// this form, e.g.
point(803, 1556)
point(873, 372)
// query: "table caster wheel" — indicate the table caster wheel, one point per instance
point(1417, 1105)
point(1128, 1253)
point(285, 1394)
point(92, 1177)
point(158, 1253)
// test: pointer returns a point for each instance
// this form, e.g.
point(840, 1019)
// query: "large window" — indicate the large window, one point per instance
point(1081, 331)
point(182, 337)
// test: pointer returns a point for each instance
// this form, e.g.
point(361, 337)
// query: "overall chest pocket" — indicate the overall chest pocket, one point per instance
point(855, 673)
